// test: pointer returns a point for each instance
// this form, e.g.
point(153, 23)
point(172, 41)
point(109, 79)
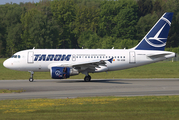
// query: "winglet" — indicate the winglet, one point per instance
point(110, 60)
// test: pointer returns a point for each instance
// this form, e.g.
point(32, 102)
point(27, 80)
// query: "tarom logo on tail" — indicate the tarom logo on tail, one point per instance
point(156, 38)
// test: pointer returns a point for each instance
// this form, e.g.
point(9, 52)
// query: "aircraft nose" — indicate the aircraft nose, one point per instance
point(6, 63)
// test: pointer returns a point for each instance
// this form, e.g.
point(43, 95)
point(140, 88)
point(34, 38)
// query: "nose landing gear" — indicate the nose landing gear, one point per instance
point(31, 79)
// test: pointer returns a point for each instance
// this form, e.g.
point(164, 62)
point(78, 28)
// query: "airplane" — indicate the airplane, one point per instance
point(63, 63)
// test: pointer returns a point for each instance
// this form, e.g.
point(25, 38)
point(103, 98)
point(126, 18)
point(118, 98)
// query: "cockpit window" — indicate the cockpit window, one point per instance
point(16, 56)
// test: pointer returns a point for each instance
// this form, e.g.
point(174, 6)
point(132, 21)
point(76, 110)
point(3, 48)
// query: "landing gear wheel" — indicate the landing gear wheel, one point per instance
point(31, 79)
point(87, 78)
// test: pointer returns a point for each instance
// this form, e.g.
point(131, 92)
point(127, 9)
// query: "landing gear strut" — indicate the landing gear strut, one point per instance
point(31, 79)
point(87, 78)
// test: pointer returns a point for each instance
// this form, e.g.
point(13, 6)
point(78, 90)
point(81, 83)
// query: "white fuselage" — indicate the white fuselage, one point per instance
point(40, 60)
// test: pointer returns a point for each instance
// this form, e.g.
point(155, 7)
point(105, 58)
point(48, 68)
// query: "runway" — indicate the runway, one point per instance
point(97, 87)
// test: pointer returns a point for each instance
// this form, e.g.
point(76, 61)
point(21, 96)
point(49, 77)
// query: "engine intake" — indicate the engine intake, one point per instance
point(62, 72)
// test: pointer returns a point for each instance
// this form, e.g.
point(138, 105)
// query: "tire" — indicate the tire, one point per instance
point(87, 78)
point(31, 79)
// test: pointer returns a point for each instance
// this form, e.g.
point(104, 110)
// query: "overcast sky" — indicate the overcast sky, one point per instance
point(17, 1)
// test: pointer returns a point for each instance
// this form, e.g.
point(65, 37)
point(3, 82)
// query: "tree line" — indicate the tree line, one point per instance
point(60, 24)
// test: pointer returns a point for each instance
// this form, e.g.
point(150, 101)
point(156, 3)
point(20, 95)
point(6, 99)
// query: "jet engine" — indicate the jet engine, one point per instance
point(62, 72)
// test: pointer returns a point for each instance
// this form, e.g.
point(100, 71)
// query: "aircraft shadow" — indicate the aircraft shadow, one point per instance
point(113, 81)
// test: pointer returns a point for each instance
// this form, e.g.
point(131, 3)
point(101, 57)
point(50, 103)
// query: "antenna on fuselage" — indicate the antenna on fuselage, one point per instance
point(33, 48)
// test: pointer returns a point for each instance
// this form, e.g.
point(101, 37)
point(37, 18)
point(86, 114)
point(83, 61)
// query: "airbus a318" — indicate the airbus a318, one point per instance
point(63, 63)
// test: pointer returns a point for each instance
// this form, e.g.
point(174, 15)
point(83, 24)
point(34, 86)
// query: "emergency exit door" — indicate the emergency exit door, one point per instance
point(30, 57)
point(132, 57)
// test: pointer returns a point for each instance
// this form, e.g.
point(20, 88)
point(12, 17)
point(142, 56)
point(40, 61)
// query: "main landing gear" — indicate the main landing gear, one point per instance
point(31, 79)
point(87, 78)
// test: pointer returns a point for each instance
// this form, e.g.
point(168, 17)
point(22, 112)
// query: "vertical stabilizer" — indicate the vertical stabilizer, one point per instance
point(156, 38)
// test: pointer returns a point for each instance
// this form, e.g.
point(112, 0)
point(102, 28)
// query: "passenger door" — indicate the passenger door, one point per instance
point(30, 57)
point(132, 58)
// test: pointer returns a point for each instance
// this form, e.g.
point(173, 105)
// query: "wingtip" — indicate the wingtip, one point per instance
point(110, 60)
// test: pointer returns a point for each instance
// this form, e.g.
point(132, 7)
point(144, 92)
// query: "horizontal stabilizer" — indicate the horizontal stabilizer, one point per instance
point(157, 54)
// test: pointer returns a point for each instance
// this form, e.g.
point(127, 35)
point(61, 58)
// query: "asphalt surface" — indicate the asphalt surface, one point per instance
point(69, 88)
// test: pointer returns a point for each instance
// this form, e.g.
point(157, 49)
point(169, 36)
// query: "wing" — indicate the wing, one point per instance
point(81, 66)
point(91, 65)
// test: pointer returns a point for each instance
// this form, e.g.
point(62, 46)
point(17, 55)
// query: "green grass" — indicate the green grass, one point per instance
point(10, 91)
point(93, 108)
point(165, 69)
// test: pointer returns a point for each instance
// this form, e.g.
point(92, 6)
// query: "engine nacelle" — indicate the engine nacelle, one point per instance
point(62, 72)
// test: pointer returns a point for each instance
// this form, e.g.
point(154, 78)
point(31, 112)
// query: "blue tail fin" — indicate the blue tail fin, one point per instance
point(156, 38)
